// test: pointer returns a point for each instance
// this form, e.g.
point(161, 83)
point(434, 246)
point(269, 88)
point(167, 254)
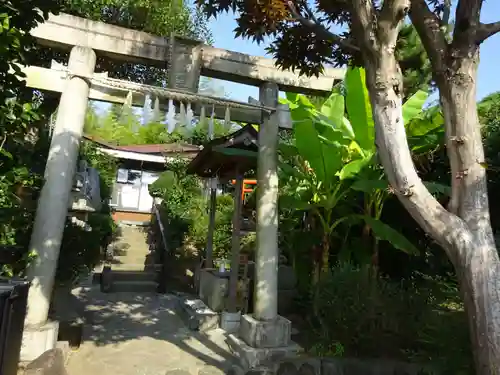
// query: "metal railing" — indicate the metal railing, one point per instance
point(160, 247)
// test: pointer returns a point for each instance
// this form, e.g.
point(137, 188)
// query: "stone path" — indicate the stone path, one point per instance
point(141, 334)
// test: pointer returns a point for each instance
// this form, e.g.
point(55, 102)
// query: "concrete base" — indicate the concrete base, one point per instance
point(230, 322)
point(50, 363)
point(265, 334)
point(213, 288)
point(251, 358)
point(37, 340)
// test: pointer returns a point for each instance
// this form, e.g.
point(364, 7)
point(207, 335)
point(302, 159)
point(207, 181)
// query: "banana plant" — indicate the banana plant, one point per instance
point(333, 154)
point(423, 128)
point(319, 166)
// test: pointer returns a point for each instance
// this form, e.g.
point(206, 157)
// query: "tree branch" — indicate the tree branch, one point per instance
point(389, 23)
point(428, 27)
point(317, 27)
point(363, 21)
point(485, 30)
point(466, 21)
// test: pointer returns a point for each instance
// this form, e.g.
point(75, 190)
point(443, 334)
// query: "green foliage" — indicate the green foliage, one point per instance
point(153, 16)
point(420, 320)
point(308, 49)
point(122, 127)
point(415, 65)
point(186, 211)
point(22, 141)
point(104, 164)
point(81, 250)
point(330, 155)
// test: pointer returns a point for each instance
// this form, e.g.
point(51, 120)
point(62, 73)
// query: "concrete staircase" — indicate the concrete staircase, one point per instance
point(133, 267)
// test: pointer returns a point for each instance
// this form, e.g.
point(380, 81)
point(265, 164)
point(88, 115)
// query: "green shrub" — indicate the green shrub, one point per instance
point(411, 321)
point(81, 249)
point(185, 212)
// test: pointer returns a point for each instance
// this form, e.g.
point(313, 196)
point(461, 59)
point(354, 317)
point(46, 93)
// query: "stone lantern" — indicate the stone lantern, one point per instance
point(85, 193)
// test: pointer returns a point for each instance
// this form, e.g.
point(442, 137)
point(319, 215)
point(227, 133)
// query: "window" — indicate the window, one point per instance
point(122, 176)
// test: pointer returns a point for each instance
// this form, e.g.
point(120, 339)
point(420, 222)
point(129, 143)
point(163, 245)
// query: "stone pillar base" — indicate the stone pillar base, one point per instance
point(251, 358)
point(262, 343)
point(265, 334)
point(37, 340)
point(230, 322)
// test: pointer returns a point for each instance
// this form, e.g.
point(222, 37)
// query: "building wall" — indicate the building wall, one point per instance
point(131, 217)
point(130, 191)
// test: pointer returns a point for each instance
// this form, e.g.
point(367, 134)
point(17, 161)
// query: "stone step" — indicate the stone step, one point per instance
point(136, 267)
point(196, 315)
point(129, 272)
point(134, 286)
point(127, 275)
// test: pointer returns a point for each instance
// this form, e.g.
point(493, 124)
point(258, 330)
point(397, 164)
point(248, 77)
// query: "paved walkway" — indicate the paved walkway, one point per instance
point(141, 334)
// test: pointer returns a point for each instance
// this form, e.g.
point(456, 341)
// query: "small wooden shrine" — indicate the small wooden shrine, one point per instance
point(228, 157)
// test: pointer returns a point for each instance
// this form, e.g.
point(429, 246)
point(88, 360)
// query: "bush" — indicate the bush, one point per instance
point(185, 212)
point(81, 249)
point(417, 321)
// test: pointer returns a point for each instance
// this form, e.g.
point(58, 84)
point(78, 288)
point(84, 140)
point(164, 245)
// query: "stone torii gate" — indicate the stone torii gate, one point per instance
point(262, 334)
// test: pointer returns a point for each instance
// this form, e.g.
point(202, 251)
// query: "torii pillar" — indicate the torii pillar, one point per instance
point(39, 334)
point(265, 335)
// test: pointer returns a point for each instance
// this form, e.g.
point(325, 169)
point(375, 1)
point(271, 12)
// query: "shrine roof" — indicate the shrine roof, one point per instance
point(228, 156)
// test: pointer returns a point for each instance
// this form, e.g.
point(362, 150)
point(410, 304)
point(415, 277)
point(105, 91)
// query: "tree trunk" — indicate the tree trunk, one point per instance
point(477, 264)
point(467, 237)
point(478, 271)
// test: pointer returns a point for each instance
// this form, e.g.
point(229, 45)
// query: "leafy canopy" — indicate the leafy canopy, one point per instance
point(301, 38)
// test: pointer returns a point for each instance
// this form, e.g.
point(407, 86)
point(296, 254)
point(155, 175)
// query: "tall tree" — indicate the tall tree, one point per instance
point(303, 39)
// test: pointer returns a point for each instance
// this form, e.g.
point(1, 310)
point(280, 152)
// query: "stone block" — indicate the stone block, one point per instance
point(230, 322)
point(253, 358)
point(37, 340)
point(49, 363)
point(265, 334)
point(197, 315)
point(213, 289)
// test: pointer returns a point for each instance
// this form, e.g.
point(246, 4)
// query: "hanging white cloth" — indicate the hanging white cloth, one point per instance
point(211, 124)
point(171, 120)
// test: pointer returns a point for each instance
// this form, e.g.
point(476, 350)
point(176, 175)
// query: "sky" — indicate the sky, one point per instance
point(222, 29)
point(488, 75)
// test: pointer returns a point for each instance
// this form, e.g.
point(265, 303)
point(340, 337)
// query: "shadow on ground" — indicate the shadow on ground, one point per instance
point(143, 334)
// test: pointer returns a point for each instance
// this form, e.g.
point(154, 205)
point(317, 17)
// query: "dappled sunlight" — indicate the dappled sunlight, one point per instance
point(125, 331)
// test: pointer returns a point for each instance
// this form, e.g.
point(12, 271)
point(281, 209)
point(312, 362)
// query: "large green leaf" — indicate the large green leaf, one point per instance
point(386, 233)
point(310, 147)
point(333, 109)
point(369, 186)
point(359, 108)
point(287, 150)
point(329, 133)
point(413, 106)
point(293, 203)
point(353, 168)
point(425, 122)
point(291, 171)
point(323, 154)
